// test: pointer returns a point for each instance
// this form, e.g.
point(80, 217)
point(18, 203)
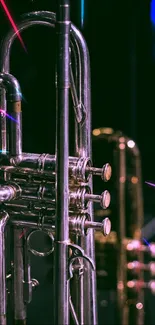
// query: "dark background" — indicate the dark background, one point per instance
point(120, 38)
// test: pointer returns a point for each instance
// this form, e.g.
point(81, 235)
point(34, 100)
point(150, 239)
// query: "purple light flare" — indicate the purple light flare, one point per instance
point(150, 184)
point(7, 115)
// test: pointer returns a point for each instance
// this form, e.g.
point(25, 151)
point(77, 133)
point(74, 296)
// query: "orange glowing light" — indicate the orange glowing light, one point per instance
point(134, 180)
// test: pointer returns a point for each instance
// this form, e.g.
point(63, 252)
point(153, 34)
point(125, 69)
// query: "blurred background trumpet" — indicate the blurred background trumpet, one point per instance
point(126, 276)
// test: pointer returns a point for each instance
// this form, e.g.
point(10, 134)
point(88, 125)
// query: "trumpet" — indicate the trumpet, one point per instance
point(124, 247)
point(51, 193)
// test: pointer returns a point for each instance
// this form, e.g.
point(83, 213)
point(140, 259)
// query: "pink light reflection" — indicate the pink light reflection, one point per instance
point(23, 233)
point(12, 23)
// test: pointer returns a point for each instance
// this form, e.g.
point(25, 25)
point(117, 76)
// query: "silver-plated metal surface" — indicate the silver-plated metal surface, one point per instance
point(4, 218)
point(43, 166)
point(18, 276)
point(58, 187)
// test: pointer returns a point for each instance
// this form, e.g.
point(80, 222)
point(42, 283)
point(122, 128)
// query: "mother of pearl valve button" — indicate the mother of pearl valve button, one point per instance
point(105, 199)
point(106, 172)
point(106, 226)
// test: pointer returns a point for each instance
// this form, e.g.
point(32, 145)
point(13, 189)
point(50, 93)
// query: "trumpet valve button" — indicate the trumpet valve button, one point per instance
point(152, 268)
point(106, 226)
point(106, 172)
point(105, 199)
point(152, 249)
point(133, 245)
point(151, 286)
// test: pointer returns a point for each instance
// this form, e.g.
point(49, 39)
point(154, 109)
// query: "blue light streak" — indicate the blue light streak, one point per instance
point(152, 12)
point(146, 242)
point(82, 12)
